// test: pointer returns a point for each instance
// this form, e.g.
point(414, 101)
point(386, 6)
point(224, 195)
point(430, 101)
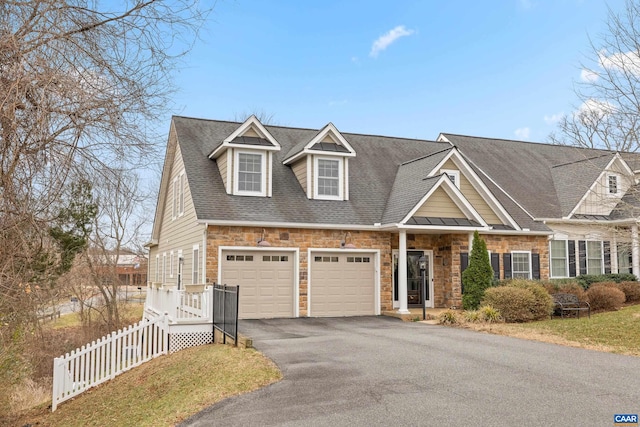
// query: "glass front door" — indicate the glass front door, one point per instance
point(414, 279)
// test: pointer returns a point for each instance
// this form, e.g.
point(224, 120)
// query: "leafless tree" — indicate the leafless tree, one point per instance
point(81, 85)
point(608, 114)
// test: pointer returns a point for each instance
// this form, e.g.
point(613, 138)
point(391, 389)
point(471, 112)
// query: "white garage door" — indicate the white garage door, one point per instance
point(342, 284)
point(265, 279)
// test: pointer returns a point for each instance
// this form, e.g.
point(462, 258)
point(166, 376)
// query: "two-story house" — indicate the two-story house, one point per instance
point(316, 222)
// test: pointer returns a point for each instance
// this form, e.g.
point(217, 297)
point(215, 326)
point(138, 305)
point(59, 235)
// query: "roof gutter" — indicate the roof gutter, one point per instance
point(627, 221)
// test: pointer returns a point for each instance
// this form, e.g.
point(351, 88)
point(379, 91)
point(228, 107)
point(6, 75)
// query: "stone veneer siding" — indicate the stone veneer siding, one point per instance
point(446, 254)
point(303, 239)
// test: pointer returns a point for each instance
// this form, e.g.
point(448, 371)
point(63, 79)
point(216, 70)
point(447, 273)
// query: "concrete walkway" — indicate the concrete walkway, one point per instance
point(372, 371)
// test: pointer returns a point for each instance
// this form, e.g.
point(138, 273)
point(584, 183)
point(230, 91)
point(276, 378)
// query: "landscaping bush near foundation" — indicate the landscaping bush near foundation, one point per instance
point(543, 303)
point(449, 317)
point(586, 280)
point(514, 304)
point(631, 291)
point(566, 288)
point(603, 296)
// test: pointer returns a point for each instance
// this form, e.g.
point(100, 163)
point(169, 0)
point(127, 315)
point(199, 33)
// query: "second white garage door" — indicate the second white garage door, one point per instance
point(342, 284)
point(266, 282)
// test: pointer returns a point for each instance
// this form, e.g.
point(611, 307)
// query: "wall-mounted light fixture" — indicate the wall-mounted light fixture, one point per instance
point(262, 242)
point(346, 242)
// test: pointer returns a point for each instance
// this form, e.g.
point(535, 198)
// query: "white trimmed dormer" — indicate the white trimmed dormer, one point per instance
point(245, 160)
point(321, 165)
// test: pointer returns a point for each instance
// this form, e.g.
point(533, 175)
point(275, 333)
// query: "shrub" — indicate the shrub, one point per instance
point(604, 297)
point(490, 314)
point(586, 280)
point(472, 316)
point(448, 317)
point(478, 276)
point(513, 303)
point(631, 291)
point(543, 304)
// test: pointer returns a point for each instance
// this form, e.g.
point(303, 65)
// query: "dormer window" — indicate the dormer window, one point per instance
point(612, 185)
point(321, 165)
point(245, 158)
point(328, 178)
point(250, 172)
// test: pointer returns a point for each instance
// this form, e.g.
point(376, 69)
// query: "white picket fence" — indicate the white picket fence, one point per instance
point(108, 357)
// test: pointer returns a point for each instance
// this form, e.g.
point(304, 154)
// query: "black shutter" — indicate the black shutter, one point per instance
point(607, 257)
point(582, 256)
point(464, 263)
point(506, 262)
point(495, 264)
point(535, 266)
point(572, 258)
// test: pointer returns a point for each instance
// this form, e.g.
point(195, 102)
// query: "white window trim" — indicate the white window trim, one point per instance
point(157, 268)
point(608, 186)
point(181, 194)
point(340, 195)
point(513, 272)
point(171, 265)
point(195, 260)
point(586, 254)
point(455, 174)
point(566, 258)
point(164, 267)
point(236, 173)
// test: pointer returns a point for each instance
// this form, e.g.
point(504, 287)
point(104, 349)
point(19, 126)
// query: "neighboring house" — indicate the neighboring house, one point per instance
point(129, 267)
point(323, 223)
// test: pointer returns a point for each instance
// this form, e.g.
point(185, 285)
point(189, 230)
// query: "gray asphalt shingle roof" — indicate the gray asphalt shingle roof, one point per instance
point(371, 176)
point(546, 180)
point(388, 176)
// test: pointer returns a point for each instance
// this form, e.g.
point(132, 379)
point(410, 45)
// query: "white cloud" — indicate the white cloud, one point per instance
point(622, 61)
point(386, 39)
point(588, 75)
point(553, 118)
point(522, 133)
point(593, 110)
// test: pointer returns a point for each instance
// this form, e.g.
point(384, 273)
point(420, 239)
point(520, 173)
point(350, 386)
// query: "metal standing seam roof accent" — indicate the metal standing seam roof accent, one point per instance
point(439, 221)
point(252, 140)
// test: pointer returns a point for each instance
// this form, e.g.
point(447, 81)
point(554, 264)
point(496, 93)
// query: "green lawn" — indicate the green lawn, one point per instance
point(162, 392)
point(614, 331)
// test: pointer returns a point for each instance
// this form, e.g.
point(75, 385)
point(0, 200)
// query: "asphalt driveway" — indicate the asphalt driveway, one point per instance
point(369, 371)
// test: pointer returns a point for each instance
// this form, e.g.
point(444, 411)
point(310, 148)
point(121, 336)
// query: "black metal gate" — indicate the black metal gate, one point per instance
point(225, 311)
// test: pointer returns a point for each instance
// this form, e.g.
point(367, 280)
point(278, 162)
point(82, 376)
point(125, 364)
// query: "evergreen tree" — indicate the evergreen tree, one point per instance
point(478, 276)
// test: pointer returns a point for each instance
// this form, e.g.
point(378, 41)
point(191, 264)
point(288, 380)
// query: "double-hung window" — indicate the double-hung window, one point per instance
point(250, 174)
point(521, 265)
point(559, 261)
point(328, 178)
point(157, 268)
point(594, 257)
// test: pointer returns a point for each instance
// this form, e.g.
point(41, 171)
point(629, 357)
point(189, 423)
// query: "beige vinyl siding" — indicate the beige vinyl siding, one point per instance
point(439, 204)
point(474, 197)
point(328, 138)
point(299, 169)
point(180, 233)
point(251, 132)
point(598, 200)
point(222, 167)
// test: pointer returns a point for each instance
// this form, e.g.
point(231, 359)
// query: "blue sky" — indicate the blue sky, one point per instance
point(502, 68)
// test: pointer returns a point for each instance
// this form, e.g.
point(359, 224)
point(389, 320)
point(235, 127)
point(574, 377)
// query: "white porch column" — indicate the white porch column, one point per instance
point(635, 250)
point(402, 273)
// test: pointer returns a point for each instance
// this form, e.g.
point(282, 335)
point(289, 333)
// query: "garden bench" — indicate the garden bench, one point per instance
point(569, 303)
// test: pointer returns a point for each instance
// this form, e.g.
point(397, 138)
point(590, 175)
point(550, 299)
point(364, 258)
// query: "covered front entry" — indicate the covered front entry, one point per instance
point(342, 284)
point(266, 280)
point(416, 296)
